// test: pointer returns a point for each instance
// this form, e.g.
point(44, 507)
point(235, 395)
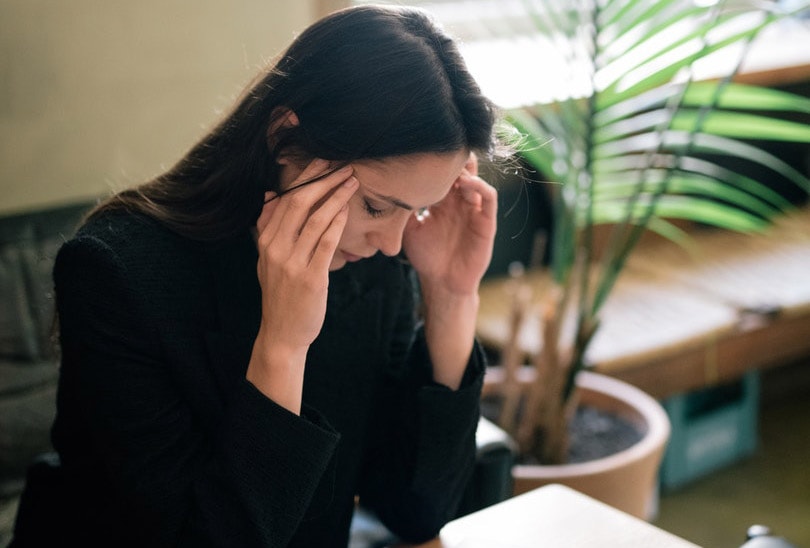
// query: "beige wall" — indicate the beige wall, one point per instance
point(97, 94)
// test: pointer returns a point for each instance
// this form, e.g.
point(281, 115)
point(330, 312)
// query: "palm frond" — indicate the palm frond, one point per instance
point(661, 137)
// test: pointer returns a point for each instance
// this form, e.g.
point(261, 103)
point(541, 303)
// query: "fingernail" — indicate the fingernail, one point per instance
point(351, 182)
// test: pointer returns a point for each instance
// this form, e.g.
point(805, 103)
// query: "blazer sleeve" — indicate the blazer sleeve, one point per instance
point(245, 481)
point(425, 435)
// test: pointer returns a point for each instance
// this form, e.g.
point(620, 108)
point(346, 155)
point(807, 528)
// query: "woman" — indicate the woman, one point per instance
point(241, 352)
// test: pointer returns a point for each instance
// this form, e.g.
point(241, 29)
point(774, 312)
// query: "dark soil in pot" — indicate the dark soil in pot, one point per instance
point(593, 433)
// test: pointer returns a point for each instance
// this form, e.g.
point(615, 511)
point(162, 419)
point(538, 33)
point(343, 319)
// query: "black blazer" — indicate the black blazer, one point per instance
point(163, 442)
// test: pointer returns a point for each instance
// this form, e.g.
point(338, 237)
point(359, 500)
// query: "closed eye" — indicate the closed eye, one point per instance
point(371, 210)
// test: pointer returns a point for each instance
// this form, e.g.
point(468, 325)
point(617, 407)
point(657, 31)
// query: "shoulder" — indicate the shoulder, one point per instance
point(131, 234)
point(135, 237)
point(125, 246)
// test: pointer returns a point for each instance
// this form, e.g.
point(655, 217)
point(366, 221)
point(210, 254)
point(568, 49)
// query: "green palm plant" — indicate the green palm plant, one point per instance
point(646, 145)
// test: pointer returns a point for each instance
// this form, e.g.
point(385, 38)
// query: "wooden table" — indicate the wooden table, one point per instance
point(553, 516)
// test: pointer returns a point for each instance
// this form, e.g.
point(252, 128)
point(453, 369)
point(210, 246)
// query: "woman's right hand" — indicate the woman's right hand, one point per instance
point(298, 234)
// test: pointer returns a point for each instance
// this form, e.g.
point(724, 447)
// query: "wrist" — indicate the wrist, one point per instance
point(277, 370)
point(438, 300)
point(450, 322)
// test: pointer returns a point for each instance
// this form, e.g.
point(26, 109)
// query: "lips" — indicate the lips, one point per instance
point(350, 257)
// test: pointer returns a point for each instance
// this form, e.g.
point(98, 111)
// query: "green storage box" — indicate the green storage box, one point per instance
point(711, 428)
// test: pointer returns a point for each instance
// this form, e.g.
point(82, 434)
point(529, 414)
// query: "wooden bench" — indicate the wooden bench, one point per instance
point(680, 320)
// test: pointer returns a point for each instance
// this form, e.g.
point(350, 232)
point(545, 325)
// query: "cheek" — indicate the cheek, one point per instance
point(360, 225)
point(355, 223)
point(359, 220)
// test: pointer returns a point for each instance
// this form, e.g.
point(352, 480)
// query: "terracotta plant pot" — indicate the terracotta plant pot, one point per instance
point(627, 480)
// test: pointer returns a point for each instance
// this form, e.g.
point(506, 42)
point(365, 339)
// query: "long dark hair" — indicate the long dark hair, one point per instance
point(365, 82)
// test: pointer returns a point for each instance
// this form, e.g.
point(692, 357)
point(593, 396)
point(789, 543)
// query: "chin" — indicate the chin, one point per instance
point(337, 263)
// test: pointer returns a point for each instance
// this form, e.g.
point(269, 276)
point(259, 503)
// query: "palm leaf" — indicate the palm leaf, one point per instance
point(650, 144)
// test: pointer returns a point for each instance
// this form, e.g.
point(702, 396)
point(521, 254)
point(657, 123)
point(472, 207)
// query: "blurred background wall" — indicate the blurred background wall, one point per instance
point(98, 94)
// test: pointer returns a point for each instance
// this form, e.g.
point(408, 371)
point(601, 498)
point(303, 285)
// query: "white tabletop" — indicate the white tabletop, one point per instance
point(553, 516)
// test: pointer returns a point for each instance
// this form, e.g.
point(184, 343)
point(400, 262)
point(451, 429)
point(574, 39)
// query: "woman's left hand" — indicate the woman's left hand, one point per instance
point(451, 248)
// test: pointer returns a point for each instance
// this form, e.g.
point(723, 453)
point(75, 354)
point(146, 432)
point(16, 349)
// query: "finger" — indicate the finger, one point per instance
point(282, 227)
point(479, 193)
point(269, 207)
point(313, 169)
point(472, 164)
point(296, 204)
point(321, 217)
point(470, 195)
point(325, 249)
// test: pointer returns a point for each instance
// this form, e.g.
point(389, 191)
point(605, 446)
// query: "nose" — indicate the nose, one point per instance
point(388, 238)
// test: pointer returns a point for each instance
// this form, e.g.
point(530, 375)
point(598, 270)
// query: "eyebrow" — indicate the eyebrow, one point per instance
point(390, 199)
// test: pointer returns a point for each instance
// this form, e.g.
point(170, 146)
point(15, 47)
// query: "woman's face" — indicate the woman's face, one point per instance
point(390, 192)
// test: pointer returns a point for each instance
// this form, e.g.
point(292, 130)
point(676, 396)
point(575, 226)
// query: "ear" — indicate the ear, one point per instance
point(282, 118)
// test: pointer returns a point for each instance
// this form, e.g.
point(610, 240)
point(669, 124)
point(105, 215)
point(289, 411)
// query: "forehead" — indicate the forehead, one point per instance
point(414, 179)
